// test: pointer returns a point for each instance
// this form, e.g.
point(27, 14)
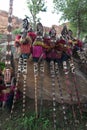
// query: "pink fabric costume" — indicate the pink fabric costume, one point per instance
point(32, 35)
point(37, 51)
point(53, 52)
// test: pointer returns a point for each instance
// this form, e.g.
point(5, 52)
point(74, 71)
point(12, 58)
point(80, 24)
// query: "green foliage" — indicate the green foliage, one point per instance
point(35, 7)
point(28, 123)
point(45, 122)
point(2, 65)
point(73, 11)
point(17, 31)
point(73, 28)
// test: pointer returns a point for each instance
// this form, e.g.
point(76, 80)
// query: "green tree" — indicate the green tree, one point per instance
point(74, 11)
point(17, 31)
point(35, 7)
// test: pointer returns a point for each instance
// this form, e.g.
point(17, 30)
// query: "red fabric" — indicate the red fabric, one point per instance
point(17, 41)
point(17, 94)
point(17, 37)
point(25, 49)
point(32, 35)
point(38, 51)
point(2, 87)
point(47, 40)
point(3, 96)
point(61, 41)
point(79, 43)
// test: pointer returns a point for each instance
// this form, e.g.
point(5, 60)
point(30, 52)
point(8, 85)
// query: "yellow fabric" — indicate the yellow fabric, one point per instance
point(7, 90)
point(28, 39)
point(70, 41)
point(38, 43)
point(75, 42)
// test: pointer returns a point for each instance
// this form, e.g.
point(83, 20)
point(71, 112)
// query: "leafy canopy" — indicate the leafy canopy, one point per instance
point(75, 11)
point(35, 7)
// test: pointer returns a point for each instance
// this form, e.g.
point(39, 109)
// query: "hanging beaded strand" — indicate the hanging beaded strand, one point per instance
point(81, 56)
point(60, 92)
point(41, 85)
point(72, 66)
point(68, 89)
point(52, 72)
point(9, 27)
point(24, 84)
point(9, 35)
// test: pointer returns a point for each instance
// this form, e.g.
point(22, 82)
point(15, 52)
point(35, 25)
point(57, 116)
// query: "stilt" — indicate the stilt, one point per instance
point(52, 71)
point(16, 87)
point(24, 84)
point(72, 66)
point(81, 56)
point(68, 88)
point(41, 85)
point(61, 94)
point(36, 77)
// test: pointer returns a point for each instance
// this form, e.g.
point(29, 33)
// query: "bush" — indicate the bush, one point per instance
point(2, 65)
point(16, 31)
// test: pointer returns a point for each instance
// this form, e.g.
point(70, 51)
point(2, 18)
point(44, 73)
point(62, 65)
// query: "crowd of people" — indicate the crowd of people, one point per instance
point(47, 46)
point(40, 46)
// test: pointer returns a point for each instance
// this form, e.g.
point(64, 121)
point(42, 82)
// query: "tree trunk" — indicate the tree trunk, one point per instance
point(34, 23)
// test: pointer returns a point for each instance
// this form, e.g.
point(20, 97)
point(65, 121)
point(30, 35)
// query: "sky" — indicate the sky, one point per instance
point(20, 10)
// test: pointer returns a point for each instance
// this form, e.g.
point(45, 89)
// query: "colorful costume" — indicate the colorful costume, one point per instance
point(77, 44)
point(52, 51)
point(32, 35)
point(25, 47)
point(38, 51)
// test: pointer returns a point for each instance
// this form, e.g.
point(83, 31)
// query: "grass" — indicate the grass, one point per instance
point(44, 121)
